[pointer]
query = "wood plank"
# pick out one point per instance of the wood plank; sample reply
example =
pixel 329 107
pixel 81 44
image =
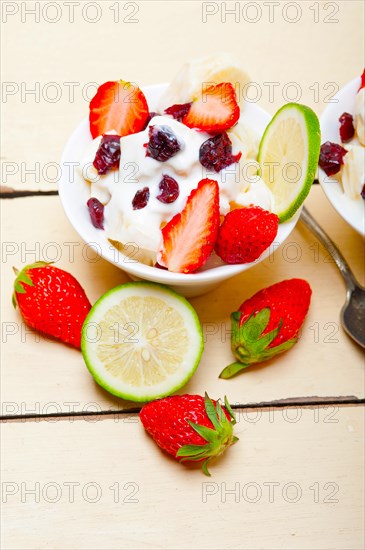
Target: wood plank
pixel 44 377
pixel 47 91
pixel 316 498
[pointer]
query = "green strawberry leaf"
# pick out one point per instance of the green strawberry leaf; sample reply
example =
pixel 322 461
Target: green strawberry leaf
pixel 211 411
pixel 193 452
pixel 205 468
pixel 271 352
pixel 222 417
pixel 232 370
pixel 206 433
pixel 266 340
pixel 231 413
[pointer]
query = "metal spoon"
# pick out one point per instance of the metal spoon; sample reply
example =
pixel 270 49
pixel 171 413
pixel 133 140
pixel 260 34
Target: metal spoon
pixel 353 312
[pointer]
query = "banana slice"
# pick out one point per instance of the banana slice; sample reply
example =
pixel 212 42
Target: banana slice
pixel 257 194
pixel 188 82
pixel 353 171
pixel 244 139
pixel 360 116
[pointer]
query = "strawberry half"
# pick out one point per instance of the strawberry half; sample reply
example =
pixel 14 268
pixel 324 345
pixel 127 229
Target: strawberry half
pixel 190 236
pixel 51 301
pixel 362 85
pixel 215 111
pixel 119 106
pixel 268 323
pixel 189 427
pixel 245 234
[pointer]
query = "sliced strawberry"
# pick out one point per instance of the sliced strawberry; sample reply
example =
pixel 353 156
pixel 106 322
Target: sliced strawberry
pixel 362 80
pixel 190 236
pixel 215 111
pixel 119 106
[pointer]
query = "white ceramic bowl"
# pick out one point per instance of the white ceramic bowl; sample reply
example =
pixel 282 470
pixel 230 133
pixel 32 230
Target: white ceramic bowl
pixel 352 211
pixel 74 195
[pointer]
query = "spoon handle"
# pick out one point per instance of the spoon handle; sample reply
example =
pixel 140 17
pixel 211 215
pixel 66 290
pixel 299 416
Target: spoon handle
pixel 330 246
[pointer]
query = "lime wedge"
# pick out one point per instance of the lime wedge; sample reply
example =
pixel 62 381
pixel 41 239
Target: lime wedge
pixel 288 157
pixel 142 341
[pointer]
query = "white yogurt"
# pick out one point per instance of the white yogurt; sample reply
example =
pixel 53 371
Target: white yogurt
pixel 117 188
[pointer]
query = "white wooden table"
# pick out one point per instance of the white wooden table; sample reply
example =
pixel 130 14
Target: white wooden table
pixel 78 471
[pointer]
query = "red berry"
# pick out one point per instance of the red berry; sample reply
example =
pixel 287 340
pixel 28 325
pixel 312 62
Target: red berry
pixel 288 302
pixel 108 154
pixel 151 115
pixel 96 211
pixel 158 266
pixel 347 130
pixel 178 111
pixel 169 190
pixel 190 427
pixel 245 234
pixel 140 199
pixel 216 153
pixel 163 143
pixel 331 157
pixel 268 323
pixel 51 301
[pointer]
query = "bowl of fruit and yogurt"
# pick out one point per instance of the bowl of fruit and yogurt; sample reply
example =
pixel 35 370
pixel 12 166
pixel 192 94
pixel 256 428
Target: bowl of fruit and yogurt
pixel 156 180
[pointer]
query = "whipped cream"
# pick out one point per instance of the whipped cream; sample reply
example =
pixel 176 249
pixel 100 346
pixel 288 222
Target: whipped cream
pixel 141 228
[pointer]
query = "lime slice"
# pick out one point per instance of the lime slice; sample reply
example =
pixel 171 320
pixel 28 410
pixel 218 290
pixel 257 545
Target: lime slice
pixel 288 157
pixel 142 341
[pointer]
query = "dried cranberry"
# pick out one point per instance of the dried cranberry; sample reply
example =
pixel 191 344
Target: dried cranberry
pixel 331 157
pixel 96 211
pixel 163 143
pixel 363 192
pixel 151 115
pixel 178 111
pixel 169 190
pixel 347 130
pixel 159 266
pixel 216 153
pixel 140 199
pixel 108 153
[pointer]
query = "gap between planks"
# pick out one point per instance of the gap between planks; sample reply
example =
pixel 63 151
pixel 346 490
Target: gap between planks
pixel 304 402
pixel 9 193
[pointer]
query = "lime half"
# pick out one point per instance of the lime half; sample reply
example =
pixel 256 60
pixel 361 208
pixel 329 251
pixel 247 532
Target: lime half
pixel 288 157
pixel 142 341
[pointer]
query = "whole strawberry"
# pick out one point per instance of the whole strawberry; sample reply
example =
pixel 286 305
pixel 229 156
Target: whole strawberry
pixel 190 427
pixel 268 323
pixel 245 234
pixel 51 301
